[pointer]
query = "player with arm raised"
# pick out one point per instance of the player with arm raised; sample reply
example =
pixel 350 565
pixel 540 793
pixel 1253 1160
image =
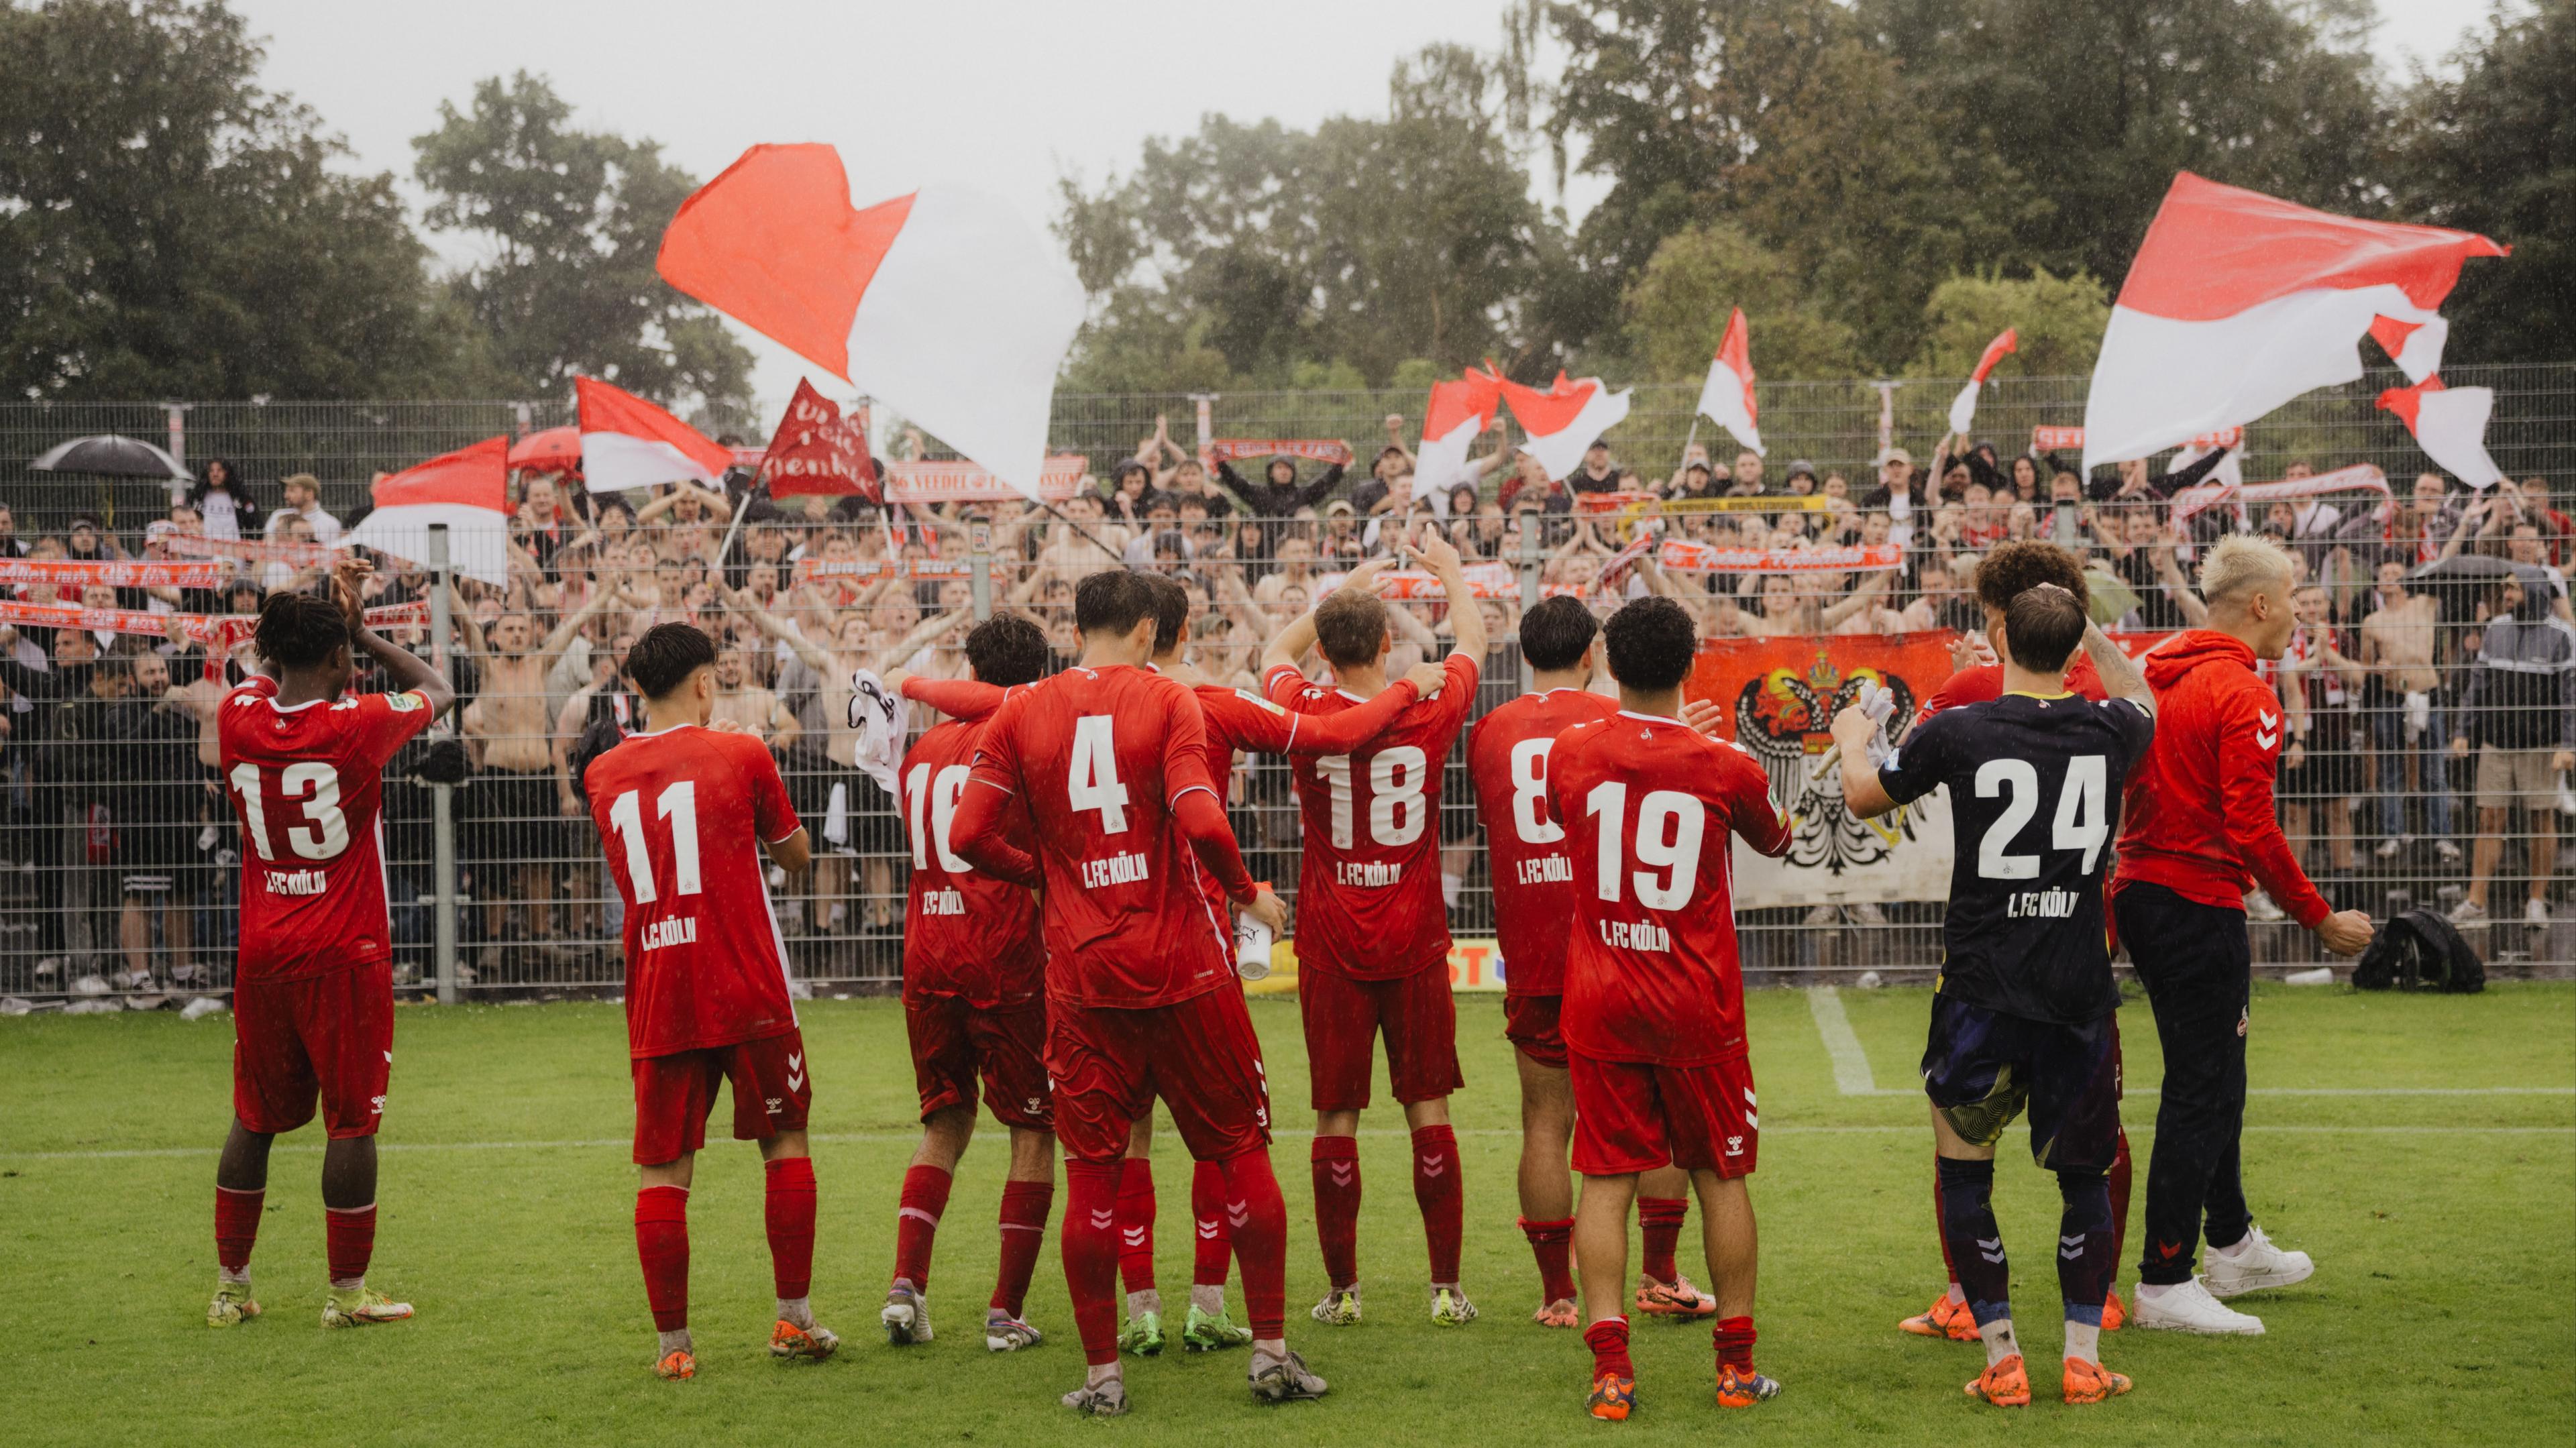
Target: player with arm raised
pixel 1654 992
pixel 974 1000
pixel 1372 930
pixel 1108 760
pixel 1507 755
pixel 313 992
pixel 2021 1014
pixel 684 813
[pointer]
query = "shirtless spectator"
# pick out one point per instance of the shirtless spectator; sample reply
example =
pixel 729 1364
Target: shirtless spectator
pixel 2400 647
pixel 518 841
pixel 742 703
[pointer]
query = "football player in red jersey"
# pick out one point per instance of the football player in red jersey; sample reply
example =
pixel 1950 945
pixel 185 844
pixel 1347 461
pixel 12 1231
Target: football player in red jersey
pixel 1108 759
pixel 313 993
pixel 1654 993
pixel 683 813
pixel 2005 574
pixel 974 1002
pixel 1533 898
pixel 1372 930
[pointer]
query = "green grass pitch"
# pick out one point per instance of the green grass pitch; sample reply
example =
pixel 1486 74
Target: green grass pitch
pixel 2444 1226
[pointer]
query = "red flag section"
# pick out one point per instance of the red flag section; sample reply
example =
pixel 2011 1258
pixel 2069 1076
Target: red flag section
pixel 470 477
pixel 816 450
pixel 627 442
pixel 2215 250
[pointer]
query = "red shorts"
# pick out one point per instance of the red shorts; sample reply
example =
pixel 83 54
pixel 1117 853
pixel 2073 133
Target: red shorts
pixel 1200 1055
pixel 772 1089
pixel 331 1035
pixel 1633 1116
pixel 1531 1023
pixel 1344 1017
pixel 954 1043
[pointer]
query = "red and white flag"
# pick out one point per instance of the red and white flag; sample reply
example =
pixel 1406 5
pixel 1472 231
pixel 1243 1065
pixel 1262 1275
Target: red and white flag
pixel 627 442
pixel 2238 302
pixel 1457 411
pixel 944 303
pixel 1963 408
pixel 466 490
pixel 1565 420
pixel 816 450
pixel 1726 398
pixel 2450 424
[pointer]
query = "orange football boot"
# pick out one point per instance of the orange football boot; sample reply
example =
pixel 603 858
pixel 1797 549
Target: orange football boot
pixel 2115 1313
pixel 1944 1318
pixel 2090 1382
pixel 2004 1384
pixel 1613 1398
pixel 676 1364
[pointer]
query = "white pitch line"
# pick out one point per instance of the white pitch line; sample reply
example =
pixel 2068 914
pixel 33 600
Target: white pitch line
pixel 1851 1063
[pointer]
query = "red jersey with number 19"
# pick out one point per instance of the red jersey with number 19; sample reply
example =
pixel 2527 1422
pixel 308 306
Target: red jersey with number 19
pixel 1533 877
pixel 682 814
pixel 307 780
pixel 1648 803
pixel 1097 756
pixel 1368 880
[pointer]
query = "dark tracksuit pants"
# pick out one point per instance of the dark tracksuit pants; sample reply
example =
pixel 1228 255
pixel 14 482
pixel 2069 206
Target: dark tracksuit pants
pixel 2197 966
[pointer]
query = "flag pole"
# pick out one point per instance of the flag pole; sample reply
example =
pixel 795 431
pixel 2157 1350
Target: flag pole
pixel 1691 441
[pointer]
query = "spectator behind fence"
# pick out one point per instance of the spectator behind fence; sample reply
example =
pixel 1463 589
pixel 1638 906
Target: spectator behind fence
pixel 2518 713
pixel 2402 646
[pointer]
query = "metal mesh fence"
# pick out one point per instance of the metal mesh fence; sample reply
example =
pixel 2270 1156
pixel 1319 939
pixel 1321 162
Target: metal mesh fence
pixel 119 859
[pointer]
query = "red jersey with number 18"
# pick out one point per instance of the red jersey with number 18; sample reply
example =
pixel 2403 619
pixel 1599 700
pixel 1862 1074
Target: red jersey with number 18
pixel 682 814
pixel 307 780
pixel 1368 878
pixel 1097 756
pixel 1533 877
pixel 1648 803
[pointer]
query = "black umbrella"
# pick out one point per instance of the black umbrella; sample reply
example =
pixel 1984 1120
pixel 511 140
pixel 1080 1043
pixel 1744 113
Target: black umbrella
pixel 111 455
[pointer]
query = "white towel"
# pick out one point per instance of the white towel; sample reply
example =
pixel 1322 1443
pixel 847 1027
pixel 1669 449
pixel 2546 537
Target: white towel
pixel 884 721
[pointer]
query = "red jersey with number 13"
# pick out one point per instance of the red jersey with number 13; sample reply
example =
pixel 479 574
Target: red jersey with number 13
pixel 1507 755
pixel 682 814
pixel 307 781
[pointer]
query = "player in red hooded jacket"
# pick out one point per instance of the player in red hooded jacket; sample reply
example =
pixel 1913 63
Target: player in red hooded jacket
pixel 2199 833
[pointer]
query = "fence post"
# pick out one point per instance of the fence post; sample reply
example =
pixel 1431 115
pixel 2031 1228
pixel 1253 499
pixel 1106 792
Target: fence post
pixel 178 445
pixel 527 420
pixel 979 562
pixel 1206 409
pixel 1886 418
pixel 1529 586
pixel 442 797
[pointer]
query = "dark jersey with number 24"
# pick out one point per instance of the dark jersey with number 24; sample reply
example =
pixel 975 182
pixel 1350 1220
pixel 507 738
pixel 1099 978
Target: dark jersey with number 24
pixel 2034 808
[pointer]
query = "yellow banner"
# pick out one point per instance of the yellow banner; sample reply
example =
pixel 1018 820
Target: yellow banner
pixel 1475 964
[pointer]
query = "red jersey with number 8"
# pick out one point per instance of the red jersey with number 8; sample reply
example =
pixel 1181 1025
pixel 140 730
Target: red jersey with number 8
pixel 682 814
pixel 1368 878
pixel 1648 804
pixel 1507 755
pixel 307 780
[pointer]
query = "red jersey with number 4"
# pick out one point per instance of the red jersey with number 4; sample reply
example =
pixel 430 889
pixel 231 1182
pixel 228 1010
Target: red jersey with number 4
pixel 1648 803
pixel 965 933
pixel 682 814
pixel 1368 881
pixel 1097 756
pixel 1533 877
pixel 306 780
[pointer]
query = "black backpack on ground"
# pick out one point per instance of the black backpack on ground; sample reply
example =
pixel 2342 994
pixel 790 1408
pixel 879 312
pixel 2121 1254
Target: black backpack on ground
pixel 2419 950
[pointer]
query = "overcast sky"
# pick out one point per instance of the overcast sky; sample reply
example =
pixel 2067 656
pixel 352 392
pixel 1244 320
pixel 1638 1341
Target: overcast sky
pixel 1008 97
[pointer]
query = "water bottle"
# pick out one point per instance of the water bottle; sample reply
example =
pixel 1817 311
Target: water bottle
pixel 1251 948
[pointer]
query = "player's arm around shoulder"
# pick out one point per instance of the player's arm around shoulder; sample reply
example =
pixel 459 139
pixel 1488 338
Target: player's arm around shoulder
pixel 1866 790
pixel 1745 800
pixel 2122 680
pixel 773 815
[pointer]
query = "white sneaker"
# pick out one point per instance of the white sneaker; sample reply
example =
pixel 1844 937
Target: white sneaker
pixel 2260 909
pixel 1824 916
pixel 2188 1307
pixel 2252 1265
pixel 2469 912
pixel 1868 913
pixel 2389 847
pixel 2536 913
pixel 2449 853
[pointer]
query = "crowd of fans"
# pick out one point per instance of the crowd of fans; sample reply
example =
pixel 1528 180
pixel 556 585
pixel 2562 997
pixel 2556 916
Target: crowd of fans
pixel 2421 713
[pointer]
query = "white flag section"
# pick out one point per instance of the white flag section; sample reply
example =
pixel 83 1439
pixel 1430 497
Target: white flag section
pixel 2238 302
pixel 946 304
pixel 1909 858
pixel 1564 421
pixel 1726 398
pixel 1458 411
pixel 1963 408
pixel 466 492
pixel 2450 424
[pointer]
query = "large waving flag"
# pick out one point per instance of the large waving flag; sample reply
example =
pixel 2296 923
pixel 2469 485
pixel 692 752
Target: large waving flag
pixel 627 442
pixel 2238 302
pixel 1457 412
pixel 2450 424
pixel 1963 408
pixel 944 303
pixel 1564 420
pixel 1726 398
pixel 467 490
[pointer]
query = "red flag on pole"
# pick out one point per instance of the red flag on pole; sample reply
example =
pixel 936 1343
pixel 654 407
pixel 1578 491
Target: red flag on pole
pixel 816 450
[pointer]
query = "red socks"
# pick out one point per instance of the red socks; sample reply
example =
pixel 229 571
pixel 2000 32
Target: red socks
pixel 1608 1340
pixel 349 1239
pixel 1337 1206
pixel 789 1211
pixel 1091 1255
pixel 1256 1217
pixel 916 1223
pixel 1734 1337
pixel 1024 1217
pixel 1552 1243
pixel 1661 1219
pixel 662 1245
pixel 1136 1223
pixel 2119 1199
pixel 1437 1192
pixel 1215 1235
pixel 236 1227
